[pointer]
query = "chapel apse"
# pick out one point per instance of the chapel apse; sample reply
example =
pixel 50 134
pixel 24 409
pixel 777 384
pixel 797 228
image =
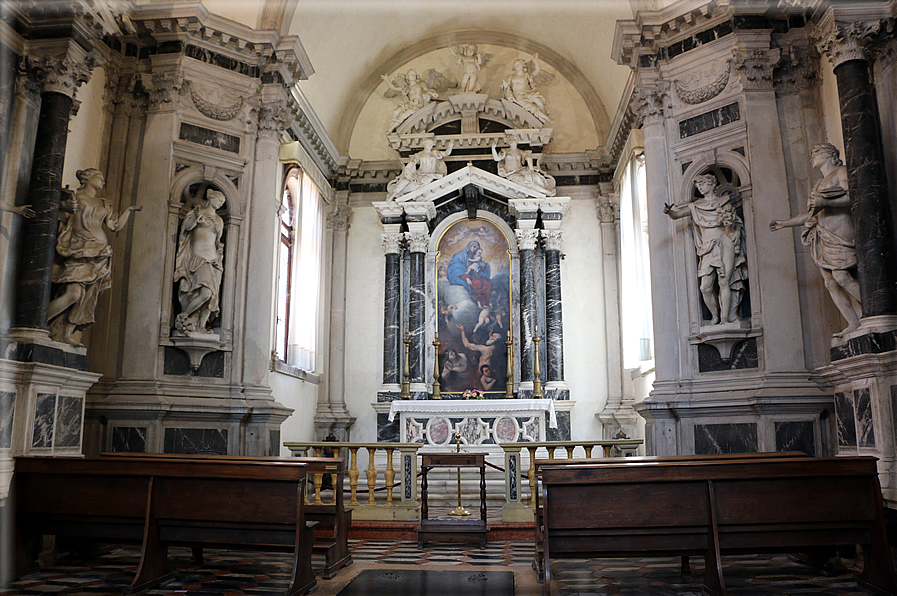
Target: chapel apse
pixel 473 271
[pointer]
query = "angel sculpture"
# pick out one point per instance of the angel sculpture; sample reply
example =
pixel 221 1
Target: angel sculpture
pixel 521 86
pixel 470 61
pixel 418 92
pixel 521 167
pixel 423 167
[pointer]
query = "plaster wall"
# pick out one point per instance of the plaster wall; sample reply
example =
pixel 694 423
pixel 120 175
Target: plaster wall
pixel 85 142
pixel 831 109
pixel 302 397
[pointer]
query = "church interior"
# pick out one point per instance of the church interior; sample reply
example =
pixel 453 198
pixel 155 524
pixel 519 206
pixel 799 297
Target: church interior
pixel 619 272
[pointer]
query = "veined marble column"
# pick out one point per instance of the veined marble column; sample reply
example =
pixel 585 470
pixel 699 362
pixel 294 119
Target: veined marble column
pixel 60 78
pixel 846 47
pixel 554 332
pixel 392 308
pixel 526 245
pixel 418 242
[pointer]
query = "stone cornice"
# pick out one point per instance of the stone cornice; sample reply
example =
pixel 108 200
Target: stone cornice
pixel 471 175
pixel 310 132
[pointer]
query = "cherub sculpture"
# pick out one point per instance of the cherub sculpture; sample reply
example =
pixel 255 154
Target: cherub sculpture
pixel 418 92
pixel 522 167
pixel 423 167
pixel 521 86
pixel 470 61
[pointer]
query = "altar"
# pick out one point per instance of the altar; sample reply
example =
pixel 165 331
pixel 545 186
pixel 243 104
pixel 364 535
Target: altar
pixel 480 422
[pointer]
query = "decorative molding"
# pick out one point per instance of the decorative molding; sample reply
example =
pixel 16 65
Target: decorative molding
pixel 60 74
pixel 471 175
pixel 26 83
pixel 392 243
pixel 528 136
pixel 274 118
pixel 757 66
pixel 211 110
pixel 338 218
pixel 650 104
pixel 417 241
pixel 608 210
pixel 163 89
pixel 714 79
pixel 526 239
pixel 553 239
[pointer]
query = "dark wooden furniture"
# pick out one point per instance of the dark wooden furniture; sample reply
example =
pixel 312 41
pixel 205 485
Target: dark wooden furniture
pixel 452 530
pixel 334 519
pixel 537 464
pixel 158 503
pixel 711 508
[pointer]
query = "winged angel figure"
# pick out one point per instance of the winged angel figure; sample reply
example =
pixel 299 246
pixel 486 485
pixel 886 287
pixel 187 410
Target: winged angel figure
pixel 470 61
pixel 418 92
pixel 521 86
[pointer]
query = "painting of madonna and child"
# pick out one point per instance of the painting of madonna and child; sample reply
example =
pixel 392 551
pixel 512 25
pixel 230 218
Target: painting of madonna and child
pixel 474 307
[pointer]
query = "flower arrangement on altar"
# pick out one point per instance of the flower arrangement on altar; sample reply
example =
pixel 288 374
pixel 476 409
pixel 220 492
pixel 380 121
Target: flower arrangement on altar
pixel 473 394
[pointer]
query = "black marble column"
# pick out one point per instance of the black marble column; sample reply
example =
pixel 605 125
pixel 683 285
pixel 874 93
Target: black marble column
pixel 416 316
pixel 527 311
pixel 392 331
pixel 876 264
pixel 554 332
pixel 39 232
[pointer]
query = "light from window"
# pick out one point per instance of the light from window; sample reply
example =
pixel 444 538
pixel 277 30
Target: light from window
pixel 637 326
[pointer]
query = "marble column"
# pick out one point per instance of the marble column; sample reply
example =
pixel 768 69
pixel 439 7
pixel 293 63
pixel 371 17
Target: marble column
pixel 554 332
pixel 846 46
pixel 418 242
pixel 392 309
pixel 526 245
pixel 60 79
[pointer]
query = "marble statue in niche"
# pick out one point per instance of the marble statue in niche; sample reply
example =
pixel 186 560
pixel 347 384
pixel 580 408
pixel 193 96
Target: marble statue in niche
pixel 423 167
pixel 199 263
pixel 473 293
pixel 519 166
pixel 828 231
pixel 418 92
pixel 470 61
pixel 83 265
pixel 719 241
pixel 522 84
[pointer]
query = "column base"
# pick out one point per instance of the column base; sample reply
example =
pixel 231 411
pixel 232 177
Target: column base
pixel 875 335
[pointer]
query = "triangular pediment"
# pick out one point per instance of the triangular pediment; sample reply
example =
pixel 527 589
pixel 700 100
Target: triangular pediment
pixel 470 174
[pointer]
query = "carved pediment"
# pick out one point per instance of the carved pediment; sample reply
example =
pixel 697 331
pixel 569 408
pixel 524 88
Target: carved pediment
pixel 469 174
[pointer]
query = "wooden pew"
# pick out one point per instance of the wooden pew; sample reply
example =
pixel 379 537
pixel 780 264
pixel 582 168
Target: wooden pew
pixel 537 464
pixel 711 508
pixel 334 518
pixel 158 503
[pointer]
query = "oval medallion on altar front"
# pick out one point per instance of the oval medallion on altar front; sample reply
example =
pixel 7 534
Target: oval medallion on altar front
pixel 438 431
pixel 505 430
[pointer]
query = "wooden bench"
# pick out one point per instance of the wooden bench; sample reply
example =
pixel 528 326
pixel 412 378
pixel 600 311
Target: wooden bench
pixel 711 508
pixel 158 503
pixel 334 519
pixel 539 463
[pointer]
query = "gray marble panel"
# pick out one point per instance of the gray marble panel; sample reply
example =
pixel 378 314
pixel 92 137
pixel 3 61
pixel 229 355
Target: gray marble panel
pixel 69 421
pixel 274 442
pixel 44 417
pixel 209 138
pixel 796 436
pixel 725 438
pixel 387 432
pixel 512 476
pixel 844 414
pixel 7 414
pixel 709 120
pixel 864 418
pixel 528 320
pixel 196 440
pixel 562 432
pixel 554 336
pixel 744 355
pixel 129 439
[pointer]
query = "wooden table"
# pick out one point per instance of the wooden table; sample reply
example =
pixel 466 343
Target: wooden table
pixel 452 530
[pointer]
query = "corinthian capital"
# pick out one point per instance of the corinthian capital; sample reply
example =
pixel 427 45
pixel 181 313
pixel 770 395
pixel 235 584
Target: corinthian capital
pixel 756 66
pixel 59 74
pixel 843 42
pixel 649 104
pixel 526 239
pixel 338 218
pixel 274 118
pixel 163 89
pixel 392 243
pixel 417 241
pixel 552 239
pixel 608 210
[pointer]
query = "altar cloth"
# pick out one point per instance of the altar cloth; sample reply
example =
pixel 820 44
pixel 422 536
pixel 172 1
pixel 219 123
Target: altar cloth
pixel 472 406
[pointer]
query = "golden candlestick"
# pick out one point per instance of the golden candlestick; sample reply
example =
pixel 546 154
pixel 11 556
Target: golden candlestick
pixel 537 370
pixel 406 373
pixel 459 511
pixel 509 385
pixel 437 388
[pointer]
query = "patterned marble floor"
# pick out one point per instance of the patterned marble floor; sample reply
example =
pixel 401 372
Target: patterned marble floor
pixel 235 573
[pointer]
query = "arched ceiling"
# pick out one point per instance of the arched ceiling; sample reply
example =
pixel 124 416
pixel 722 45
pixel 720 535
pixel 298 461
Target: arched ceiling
pixel 350 42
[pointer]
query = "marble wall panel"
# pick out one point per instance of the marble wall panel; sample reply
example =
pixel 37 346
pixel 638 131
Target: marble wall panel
pixel 7 413
pixel 212 365
pixel 44 418
pixel 796 435
pixel 387 432
pixel 176 362
pixel 725 438
pixel 209 138
pixel 69 413
pixel 744 355
pixel 129 439
pixel 864 419
pixel 562 432
pixel 709 120
pixel 196 440
pixel 274 442
pixel 847 432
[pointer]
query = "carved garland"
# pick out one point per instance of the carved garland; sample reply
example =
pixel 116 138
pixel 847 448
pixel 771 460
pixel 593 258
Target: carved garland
pixel 692 95
pixel 213 111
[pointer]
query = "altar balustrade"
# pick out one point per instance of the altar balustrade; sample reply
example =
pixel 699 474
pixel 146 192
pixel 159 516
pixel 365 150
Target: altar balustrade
pixel 380 503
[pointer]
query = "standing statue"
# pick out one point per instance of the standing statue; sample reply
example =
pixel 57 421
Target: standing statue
pixel 25 210
pixel 199 262
pixel 418 92
pixel 83 267
pixel 470 61
pixel 521 86
pixel 519 166
pixel 422 168
pixel 828 231
pixel 719 242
